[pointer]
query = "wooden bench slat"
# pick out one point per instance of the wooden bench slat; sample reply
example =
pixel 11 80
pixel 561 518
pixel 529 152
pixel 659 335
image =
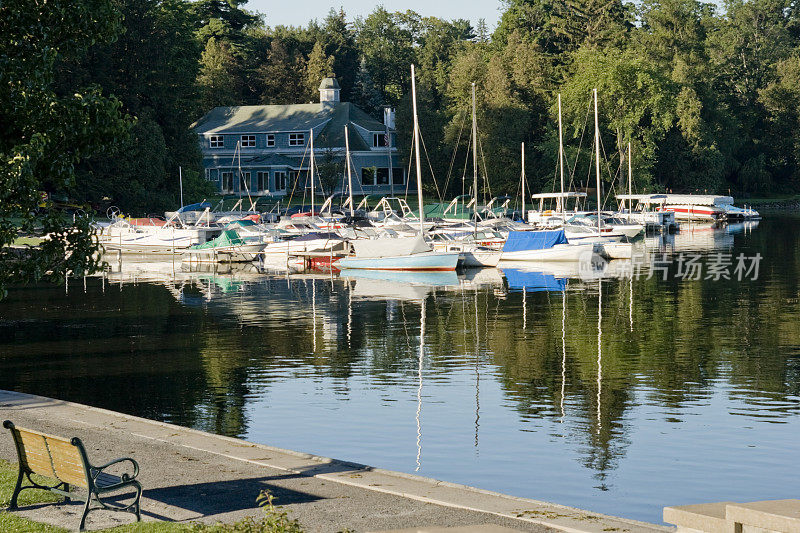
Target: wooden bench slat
pixel 35 453
pixel 67 462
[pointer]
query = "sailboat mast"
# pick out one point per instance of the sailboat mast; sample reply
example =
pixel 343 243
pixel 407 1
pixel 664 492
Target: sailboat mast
pixel 416 153
pixel 475 159
pixel 561 155
pixel 523 182
pixel 311 134
pixel 597 157
pixel 630 176
pixel 349 170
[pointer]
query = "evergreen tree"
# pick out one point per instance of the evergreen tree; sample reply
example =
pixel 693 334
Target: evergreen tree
pixel 317 67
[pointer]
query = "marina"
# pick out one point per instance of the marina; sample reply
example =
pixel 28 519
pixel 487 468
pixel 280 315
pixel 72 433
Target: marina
pixel 555 381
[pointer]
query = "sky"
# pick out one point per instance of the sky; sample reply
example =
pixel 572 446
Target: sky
pixel 299 13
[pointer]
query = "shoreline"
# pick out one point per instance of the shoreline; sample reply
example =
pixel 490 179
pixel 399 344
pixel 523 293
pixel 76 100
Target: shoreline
pixel 459 502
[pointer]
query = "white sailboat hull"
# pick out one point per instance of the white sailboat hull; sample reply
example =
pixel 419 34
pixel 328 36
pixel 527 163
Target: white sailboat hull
pixel 559 252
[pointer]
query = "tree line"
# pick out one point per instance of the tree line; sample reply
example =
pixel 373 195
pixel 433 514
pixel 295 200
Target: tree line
pixel 97 96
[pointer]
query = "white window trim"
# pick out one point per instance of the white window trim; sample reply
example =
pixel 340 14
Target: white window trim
pixel 298 140
pixel 248 139
pixel 213 139
pixel 270 140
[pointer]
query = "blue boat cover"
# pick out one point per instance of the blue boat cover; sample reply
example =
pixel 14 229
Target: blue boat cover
pixel 314 235
pixel 195 207
pixel 521 280
pixel 534 240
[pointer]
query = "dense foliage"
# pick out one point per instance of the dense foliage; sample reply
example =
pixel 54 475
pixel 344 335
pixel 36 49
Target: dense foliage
pixel 97 96
pixel 707 95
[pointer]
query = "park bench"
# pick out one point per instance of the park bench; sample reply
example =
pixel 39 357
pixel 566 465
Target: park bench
pixel 65 460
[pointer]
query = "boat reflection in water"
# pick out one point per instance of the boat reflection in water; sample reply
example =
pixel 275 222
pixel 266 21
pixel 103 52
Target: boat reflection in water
pixel 383 285
pixel 532 281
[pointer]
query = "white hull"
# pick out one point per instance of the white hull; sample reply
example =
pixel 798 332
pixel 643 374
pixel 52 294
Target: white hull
pixel 559 252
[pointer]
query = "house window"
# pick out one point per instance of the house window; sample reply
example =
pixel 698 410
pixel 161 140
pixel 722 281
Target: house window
pixel 383 176
pixel 248 141
pixel 367 176
pixel 397 176
pixel 297 139
pixel 379 140
pixel 263 181
pixel 215 141
pixel 270 140
pixel 280 181
pixel 227 182
pixel 244 181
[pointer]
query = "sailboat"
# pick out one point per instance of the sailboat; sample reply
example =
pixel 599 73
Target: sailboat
pixel 605 236
pixel 402 253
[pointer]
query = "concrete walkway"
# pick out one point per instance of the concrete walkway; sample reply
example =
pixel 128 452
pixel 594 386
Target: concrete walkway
pixel 192 475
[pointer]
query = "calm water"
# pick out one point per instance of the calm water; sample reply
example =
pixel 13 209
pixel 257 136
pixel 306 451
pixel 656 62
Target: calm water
pixel 563 392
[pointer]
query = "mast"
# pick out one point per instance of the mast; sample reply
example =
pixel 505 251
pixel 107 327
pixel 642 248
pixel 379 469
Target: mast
pixel 416 153
pixel 630 177
pixel 386 115
pixel 475 159
pixel 311 167
pixel 561 155
pixel 597 156
pixel 349 171
pixel 523 182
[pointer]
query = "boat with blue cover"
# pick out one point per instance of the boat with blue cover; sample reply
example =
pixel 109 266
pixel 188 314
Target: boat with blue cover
pixel 545 245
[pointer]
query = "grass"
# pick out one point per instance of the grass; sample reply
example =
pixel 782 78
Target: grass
pixel 273 520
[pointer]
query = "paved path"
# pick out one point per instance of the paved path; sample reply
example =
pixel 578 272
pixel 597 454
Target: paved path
pixel 192 475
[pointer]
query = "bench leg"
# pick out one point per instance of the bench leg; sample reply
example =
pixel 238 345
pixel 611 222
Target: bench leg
pixel 137 502
pixel 66 489
pixel 17 489
pixel 85 512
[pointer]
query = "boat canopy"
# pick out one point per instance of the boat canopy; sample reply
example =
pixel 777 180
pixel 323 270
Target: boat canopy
pixel 244 223
pixel 534 240
pixel 316 235
pixel 644 198
pixel 545 195
pixel 389 247
pixel 227 238
pixel 698 199
pixel 202 206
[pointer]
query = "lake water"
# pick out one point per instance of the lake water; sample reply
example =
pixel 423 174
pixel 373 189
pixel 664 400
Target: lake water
pixel 620 396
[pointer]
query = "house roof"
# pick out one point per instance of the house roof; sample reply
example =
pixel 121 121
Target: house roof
pixel 294 117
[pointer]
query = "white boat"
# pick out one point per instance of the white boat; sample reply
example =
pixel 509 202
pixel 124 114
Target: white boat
pixel 646 211
pixel 697 207
pixel 544 245
pixel 400 254
pixel 139 235
pixel 631 230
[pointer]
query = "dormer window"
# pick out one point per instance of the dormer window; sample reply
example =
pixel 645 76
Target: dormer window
pixel 379 140
pixel 215 141
pixel 270 140
pixel 297 139
pixel 248 141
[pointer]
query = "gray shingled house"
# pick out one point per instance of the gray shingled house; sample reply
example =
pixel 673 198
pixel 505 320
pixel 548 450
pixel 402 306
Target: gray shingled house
pixel 266 148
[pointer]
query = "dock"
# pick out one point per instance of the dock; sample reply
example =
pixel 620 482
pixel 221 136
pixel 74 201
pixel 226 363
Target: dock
pixel 190 475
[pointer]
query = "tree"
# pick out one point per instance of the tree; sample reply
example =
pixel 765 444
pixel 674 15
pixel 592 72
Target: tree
pixel 36 120
pixel 317 67
pixel 217 80
pixel 387 46
pixel 281 74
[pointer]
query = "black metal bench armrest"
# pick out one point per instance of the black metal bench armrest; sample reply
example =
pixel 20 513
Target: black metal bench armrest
pixel 96 470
